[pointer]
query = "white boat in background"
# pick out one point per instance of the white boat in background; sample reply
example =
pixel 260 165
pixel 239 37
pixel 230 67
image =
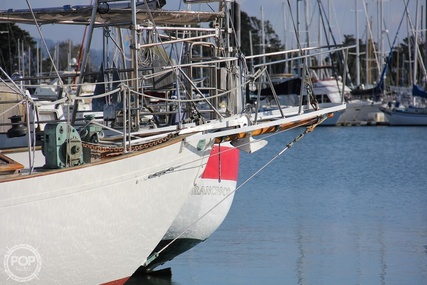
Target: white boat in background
pixel 412 115
pixel 363 106
pixel 364 112
pixel 412 112
pixel 408 116
pixel 94 207
pixel 325 91
pixel 331 90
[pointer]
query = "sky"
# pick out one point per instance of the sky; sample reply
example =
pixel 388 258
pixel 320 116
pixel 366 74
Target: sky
pixel 341 14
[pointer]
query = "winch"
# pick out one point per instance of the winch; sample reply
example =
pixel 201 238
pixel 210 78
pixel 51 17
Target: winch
pixel 62 146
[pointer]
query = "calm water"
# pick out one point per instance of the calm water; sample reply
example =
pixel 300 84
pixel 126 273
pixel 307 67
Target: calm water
pixel 345 205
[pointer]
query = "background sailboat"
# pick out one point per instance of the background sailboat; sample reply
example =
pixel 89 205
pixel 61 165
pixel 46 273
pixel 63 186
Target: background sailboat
pixel 415 113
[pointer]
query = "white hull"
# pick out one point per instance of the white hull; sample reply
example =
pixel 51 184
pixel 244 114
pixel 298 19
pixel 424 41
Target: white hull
pixel 211 196
pixel 331 89
pixel 406 117
pixel 96 224
pixel 203 198
pixel 206 207
pixel 326 91
pixel 360 111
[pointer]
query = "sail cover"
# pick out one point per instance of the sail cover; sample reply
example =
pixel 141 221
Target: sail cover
pixel 289 86
pixel 417 91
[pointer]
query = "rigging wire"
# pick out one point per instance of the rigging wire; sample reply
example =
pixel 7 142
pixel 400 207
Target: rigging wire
pixel 381 81
pixel 288 146
pixel 170 62
pixel 370 34
pixel 340 54
pixel 413 29
pixel 45 44
pixel 306 75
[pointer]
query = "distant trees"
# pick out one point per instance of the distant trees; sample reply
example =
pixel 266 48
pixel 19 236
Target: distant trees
pixel 402 70
pixel 401 66
pixel 16 48
pixel 19 54
pixel 253 26
pixel 62 54
pixel 367 53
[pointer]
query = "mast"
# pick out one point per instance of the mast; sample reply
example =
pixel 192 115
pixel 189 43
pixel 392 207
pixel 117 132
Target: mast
pixel 379 37
pixel 425 35
pixel 262 35
pixel 410 55
pixel 38 60
pixel 84 60
pixel 357 46
pixel 29 61
pixel 368 52
pixel 414 78
pixel 381 32
pixel 252 52
pixel 307 20
pixel 398 67
pixel 298 37
pixel 329 17
pixel 324 73
pixel 19 56
pixel 284 35
pixel 263 77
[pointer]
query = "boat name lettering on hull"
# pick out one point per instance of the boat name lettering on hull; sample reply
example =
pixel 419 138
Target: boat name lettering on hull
pixel 210 190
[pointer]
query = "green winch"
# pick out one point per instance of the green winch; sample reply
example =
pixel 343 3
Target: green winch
pixel 62 146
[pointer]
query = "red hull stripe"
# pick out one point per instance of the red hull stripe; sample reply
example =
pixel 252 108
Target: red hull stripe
pixel 225 158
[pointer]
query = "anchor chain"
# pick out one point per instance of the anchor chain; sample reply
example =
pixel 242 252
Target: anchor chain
pixel 100 151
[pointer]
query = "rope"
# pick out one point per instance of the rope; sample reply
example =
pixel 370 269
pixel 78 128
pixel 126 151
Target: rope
pixel 288 146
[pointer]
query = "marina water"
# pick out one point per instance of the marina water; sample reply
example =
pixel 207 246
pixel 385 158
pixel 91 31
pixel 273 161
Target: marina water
pixel 345 205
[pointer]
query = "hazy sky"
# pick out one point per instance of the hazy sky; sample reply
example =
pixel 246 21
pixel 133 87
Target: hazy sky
pixel 342 17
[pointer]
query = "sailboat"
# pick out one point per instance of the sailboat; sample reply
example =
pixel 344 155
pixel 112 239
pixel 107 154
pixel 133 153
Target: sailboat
pixel 407 116
pixel 92 203
pixel 415 113
pixel 326 90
